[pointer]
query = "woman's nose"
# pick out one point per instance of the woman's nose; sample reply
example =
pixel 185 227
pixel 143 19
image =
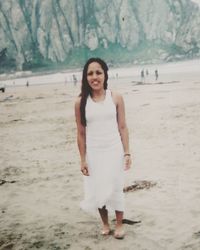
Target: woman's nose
pixel 94 76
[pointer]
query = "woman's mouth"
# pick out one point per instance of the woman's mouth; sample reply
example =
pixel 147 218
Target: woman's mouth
pixel 95 82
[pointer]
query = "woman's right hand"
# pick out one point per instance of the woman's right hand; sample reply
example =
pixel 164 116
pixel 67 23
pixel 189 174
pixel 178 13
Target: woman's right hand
pixel 84 168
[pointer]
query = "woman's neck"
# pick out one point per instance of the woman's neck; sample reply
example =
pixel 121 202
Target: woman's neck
pixel 98 95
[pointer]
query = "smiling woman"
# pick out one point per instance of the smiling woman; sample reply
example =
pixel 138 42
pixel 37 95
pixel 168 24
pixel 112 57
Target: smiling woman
pixel 103 143
pixel 96 78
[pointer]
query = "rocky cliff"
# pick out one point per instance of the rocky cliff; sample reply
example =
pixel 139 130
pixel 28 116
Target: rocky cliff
pixel 42 33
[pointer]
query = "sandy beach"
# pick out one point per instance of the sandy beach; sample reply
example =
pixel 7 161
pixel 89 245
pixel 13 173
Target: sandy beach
pixel 41 184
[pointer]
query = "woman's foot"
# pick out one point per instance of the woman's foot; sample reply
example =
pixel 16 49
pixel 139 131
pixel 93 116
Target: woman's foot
pixel 119 232
pixel 106 230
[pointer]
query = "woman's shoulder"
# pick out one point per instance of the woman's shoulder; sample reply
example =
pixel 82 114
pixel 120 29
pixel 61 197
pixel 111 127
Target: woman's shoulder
pixel 78 101
pixel 116 95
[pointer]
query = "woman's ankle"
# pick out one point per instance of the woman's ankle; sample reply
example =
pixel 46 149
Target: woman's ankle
pixel 118 225
pixel 106 225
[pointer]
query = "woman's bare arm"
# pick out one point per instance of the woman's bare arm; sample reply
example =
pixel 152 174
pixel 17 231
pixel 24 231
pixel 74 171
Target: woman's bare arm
pixel 123 130
pixel 81 138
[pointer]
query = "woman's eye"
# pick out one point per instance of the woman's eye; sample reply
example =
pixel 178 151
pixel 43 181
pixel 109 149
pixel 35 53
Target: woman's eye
pixel 92 73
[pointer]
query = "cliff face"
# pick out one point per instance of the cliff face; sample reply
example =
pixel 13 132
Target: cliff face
pixel 36 33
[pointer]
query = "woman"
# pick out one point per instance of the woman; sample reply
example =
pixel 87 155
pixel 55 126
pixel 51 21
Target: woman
pixel 103 143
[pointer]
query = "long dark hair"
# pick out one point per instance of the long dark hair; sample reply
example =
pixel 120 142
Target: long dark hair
pixel 86 89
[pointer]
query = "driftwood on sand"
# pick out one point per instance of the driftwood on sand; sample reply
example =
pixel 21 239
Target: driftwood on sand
pixel 137 185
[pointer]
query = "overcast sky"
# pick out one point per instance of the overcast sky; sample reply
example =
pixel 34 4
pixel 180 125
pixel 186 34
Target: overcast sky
pixel 196 1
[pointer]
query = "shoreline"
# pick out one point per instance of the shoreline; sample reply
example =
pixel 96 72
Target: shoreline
pixel 114 72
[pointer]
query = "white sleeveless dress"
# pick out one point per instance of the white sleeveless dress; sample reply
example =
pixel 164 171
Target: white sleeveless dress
pixel 104 152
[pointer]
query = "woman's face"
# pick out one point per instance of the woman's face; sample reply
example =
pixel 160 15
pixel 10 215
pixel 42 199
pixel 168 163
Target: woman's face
pixel 95 76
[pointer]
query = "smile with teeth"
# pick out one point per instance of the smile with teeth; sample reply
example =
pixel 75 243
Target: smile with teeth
pixel 95 83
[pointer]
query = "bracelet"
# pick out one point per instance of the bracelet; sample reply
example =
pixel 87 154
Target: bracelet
pixel 127 155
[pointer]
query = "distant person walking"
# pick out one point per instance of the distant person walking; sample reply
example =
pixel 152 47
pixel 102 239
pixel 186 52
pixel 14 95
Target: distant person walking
pixel 142 76
pixel 156 74
pixel 74 79
pixel 147 72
